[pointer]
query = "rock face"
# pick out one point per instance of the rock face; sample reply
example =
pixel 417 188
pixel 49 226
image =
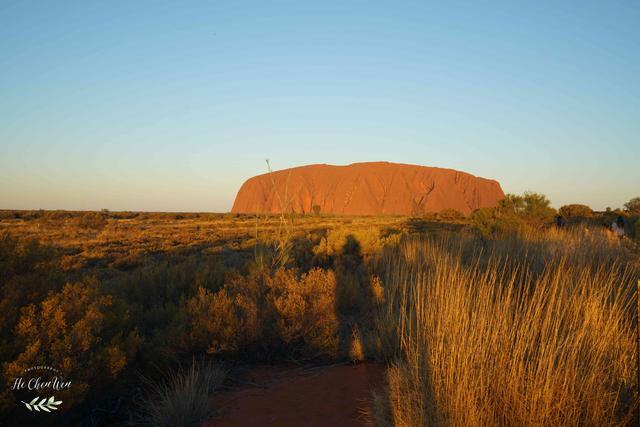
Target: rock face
pixel 366 189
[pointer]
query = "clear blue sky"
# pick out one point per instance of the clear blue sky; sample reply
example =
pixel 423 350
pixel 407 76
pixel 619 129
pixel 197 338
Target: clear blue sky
pixel 140 105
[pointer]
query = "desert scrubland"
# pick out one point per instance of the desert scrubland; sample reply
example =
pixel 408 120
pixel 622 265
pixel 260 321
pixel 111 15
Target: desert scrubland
pixel 494 318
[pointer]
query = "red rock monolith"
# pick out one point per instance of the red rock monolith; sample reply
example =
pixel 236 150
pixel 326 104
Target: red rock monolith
pixel 373 188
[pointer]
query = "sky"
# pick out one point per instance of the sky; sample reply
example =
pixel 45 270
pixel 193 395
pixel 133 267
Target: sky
pixel 170 106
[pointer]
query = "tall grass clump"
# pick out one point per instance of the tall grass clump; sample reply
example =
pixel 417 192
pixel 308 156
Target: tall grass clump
pixel 523 331
pixel 182 398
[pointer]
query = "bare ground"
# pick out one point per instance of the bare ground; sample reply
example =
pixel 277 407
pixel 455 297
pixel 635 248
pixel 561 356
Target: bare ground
pixel 338 395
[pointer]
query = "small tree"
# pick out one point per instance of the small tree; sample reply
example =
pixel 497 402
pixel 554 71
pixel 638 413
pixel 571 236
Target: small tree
pixel 633 205
pixel 514 213
pixel 511 204
pixel 537 208
pixel 484 220
pixel 316 209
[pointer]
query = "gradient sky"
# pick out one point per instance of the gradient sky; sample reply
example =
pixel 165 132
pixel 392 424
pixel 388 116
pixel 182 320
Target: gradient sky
pixel 140 105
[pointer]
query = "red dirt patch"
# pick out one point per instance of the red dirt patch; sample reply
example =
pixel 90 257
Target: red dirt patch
pixel 321 396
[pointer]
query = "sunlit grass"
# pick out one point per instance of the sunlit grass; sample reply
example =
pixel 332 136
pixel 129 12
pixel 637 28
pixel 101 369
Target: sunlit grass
pixel 542 335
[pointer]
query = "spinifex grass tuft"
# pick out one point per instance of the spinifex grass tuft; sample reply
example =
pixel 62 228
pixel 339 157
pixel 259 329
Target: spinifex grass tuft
pixel 182 398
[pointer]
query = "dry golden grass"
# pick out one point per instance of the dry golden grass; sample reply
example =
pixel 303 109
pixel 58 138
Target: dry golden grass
pixel 527 331
pixel 123 240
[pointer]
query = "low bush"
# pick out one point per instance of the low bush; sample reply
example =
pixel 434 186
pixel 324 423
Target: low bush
pixel 450 214
pixel 28 272
pixel 263 313
pixel 514 214
pixel 79 331
pixel 220 322
pixel 304 308
pixel 93 220
pixel 301 253
pixel 154 296
pixel 575 211
pixel 635 227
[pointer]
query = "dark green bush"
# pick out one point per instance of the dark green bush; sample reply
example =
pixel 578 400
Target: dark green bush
pixel 633 206
pixel 28 272
pixel 304 310
pixel 93 220
pixel 78 331
pixel 575 211
pixel 450 214
pixel 154 296
pixel 513 214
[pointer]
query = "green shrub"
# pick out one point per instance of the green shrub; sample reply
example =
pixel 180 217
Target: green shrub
pixel 633 206
pixel 491 222
pixel 57 215
pixel 537 209
pixel 429 216
pixel 575 211
pixel 164 284
pixel 78 331
pixel 450 214
pixel 220 322
pixel 301 254
pixel 514 214
pixel 511 204
pixel 28 272
pixel 93 220
pixel 7 214
pixel 304 308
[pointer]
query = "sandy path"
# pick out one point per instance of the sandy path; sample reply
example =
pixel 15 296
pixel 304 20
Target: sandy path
pixel 323 396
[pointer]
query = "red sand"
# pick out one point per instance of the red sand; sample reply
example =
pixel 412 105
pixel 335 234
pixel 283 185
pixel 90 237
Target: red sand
pixel 324 396
pixel 366 189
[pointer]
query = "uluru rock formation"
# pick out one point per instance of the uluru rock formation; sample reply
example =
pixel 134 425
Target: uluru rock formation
pixel 366 189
